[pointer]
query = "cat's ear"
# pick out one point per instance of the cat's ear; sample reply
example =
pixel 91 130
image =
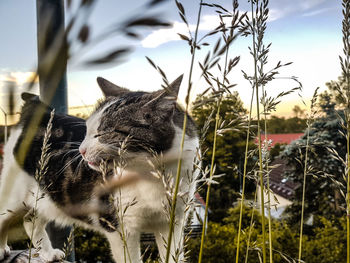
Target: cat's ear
pixel 168 98
pixel 28 96
pixel 164 101
pixel 110 89
pixel 174 87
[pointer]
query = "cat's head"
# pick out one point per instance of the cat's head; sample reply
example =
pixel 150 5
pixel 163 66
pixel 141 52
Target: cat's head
pixel 139 123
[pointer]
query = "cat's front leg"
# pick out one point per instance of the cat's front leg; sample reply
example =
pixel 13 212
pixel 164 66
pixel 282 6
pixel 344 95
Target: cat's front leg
pixel 127 250
pixel 4 221
pixel 41 240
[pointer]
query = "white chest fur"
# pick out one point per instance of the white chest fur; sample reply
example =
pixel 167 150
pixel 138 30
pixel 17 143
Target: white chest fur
pixel 151 193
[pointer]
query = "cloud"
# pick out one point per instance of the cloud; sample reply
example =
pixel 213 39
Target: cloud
pixel 308 4
pixel 317 12
pixel 161 36
pixel 283 8
pixel 275 14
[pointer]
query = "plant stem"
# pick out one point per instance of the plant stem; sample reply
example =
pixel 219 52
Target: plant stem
pixel 121 217
pixel 346 72
pixel 256 85
pixel 244 176
pixel 217 117
pixel 303 198
pixel 348 192
pixel 267 177
pixel 179 164
pixel 250 229
pixel 33 223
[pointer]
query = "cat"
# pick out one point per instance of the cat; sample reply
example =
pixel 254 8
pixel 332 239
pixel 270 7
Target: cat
pixel 149 123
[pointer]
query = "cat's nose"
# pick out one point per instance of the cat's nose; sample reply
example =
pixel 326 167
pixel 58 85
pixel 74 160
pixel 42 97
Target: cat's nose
pixel 82 151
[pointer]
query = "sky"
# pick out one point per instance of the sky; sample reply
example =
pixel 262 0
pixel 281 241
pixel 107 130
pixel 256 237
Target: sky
pixel 305 32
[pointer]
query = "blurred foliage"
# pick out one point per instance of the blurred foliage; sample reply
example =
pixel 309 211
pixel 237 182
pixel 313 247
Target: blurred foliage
pixel 277 124
pixel 326 243
pixel 90 247
pixel 220 245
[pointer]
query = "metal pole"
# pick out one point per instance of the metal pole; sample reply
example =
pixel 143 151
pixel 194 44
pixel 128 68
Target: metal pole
pixel 52 64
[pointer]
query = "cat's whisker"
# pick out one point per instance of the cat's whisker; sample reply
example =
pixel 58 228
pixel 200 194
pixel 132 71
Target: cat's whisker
pixel 77 156
pixel 71 143
pixel 59 153
pixel 78 166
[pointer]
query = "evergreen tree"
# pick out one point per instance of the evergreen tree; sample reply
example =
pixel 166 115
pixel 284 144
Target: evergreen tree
pixel 324 181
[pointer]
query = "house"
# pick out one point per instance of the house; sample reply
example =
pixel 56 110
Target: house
pixel 282 190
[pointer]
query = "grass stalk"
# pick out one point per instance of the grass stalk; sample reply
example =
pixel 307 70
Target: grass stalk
pixel 33 223
pixel 261 175
pixel 217 117
pixel 348 193
pixel 303 197
pixel 39 173
pixel 307 147
pixel 179 164
pixel 244 176
pixel 267 176
pixel 122 228
pixel 346 72
pixel 211 173
pixel 250 230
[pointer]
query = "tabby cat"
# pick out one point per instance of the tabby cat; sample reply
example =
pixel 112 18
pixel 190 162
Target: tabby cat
pixel 150 124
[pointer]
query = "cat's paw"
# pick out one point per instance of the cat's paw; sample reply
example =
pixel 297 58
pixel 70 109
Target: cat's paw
pixel 52 255
pixel 4 252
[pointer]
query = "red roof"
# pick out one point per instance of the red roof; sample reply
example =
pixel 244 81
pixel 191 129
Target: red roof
pixel 282 138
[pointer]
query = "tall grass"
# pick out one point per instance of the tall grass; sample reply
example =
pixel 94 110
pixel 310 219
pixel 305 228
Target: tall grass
pixel 179 164
pixel 244 180
pixel 222 87
pixel 39 174
pixel 309 122
pixel 257 26
pixel 345 65
pixel 256 44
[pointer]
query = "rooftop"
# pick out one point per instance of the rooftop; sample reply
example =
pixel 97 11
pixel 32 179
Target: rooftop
pixel 281 138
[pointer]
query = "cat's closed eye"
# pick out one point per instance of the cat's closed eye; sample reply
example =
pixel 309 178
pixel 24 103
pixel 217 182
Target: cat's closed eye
pixel 121 132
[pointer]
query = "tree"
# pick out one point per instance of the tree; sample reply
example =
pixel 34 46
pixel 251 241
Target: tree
pixel 277 124
pixel 229 152
pixel 324 179
pixel 298 112
pixel 328 242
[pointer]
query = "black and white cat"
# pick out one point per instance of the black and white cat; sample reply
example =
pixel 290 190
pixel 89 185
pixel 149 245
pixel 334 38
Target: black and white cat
pixel 149 123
